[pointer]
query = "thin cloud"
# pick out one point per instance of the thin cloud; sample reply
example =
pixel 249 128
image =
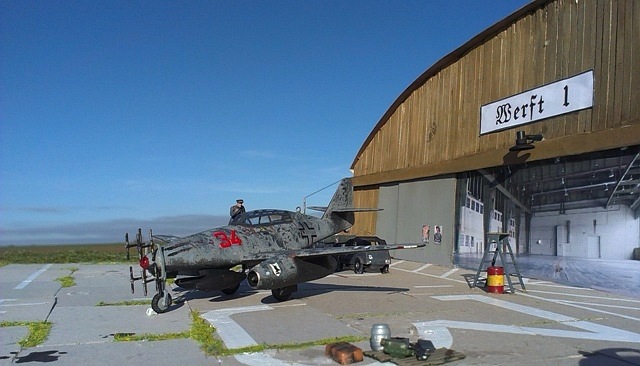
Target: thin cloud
pixel 110 231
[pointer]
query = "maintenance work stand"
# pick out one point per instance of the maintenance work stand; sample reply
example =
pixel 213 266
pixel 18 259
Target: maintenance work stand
pixel 502 247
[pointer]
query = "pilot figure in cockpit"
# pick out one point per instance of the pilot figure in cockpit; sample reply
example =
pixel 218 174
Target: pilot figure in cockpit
pixel 237 209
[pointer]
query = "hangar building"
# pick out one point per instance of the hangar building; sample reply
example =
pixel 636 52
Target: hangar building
pixel 531 128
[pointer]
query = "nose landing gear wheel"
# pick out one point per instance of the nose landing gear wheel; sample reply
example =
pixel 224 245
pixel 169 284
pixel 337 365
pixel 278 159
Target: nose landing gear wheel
pixel 159 304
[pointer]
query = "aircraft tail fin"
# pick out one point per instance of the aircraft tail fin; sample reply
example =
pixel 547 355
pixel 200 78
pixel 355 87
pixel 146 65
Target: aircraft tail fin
pixel 340 207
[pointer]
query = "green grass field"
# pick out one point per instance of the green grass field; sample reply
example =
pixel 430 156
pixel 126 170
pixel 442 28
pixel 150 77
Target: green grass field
pixel 81 253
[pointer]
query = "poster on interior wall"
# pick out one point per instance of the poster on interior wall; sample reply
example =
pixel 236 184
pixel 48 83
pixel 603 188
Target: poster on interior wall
pixel 426 232
pixel 437 236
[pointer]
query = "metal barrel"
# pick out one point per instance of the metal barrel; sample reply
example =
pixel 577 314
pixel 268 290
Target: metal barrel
pixel 495 280
pixel 378 333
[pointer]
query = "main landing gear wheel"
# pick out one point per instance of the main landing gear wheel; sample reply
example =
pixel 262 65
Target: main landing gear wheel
pixel 231 290
pixel 358 268
pixel 283 294
pixel 159 304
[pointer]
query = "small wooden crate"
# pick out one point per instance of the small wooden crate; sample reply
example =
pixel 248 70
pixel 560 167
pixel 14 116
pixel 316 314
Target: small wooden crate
pixel 344 353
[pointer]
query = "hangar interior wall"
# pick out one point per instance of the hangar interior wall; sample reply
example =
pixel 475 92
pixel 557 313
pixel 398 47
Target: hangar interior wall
pixel 407 207
pixel 586 233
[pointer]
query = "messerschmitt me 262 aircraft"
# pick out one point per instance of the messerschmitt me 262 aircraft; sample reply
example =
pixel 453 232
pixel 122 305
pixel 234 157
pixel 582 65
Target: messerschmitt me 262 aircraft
pixel 278 248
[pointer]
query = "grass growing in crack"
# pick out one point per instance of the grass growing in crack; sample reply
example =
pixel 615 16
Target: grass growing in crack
pixel 68 281
pixel 130 337
pixel 38 331
pixel 204 333
pixel 301 345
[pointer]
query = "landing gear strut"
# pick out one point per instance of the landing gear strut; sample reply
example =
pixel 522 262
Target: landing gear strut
pixel 162 299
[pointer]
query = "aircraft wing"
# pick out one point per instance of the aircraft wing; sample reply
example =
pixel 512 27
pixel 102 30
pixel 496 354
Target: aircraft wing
pixel 313 252
pixel 163 239
pixel 329 250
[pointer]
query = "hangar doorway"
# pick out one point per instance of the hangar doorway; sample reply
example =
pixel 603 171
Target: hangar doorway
pixel 583 206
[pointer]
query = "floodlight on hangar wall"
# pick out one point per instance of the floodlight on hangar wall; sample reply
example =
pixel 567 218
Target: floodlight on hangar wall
pixel 523 141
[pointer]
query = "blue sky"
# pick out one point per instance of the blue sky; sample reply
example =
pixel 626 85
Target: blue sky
pixel 116 115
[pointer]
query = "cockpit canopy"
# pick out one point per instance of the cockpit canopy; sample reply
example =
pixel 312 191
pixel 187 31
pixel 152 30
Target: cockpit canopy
pixel 263 217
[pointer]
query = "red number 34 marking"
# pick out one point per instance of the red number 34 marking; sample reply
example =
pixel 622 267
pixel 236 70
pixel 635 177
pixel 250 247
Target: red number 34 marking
pixel 225 240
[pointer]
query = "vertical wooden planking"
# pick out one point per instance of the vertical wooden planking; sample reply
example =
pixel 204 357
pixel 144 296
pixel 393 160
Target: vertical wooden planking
pixel 570 48
pixel 588 46
pixel 437 121
pixel 634 62
pixel 480 79
pixel 471 100
pixel 431 120
pixel 465 124
pixel 488 141
pixel 624 46
pixel 411 132
pixel 446 140
pixel 617 71
pixel 605 62
pixel 365 222
pixel 560 59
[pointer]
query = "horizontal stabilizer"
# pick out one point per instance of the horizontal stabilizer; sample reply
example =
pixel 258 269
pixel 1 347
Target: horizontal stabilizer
pixel 344 209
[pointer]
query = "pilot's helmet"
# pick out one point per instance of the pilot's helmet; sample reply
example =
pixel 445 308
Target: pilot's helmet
pixel 240 200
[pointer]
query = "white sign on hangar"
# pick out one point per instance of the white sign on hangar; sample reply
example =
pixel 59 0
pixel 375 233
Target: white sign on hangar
pixel 560 97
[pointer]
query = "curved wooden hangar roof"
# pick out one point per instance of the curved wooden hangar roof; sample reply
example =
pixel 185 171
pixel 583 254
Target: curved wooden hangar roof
pixel 433 128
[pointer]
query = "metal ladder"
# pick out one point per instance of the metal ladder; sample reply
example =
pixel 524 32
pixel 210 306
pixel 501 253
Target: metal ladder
pixel 502 246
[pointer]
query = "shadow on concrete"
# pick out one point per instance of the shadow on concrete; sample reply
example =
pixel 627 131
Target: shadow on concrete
pixel 611 357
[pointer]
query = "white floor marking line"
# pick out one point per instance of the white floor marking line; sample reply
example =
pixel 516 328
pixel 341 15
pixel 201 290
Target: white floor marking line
pixel 24 304
pixel 549 284
pixel 429 275
pixel 234 336
pixel 433 286
pixel 450 273
pixel 423 267
pixel 32 277
pixel 584 296
pixel 231 332
pixel 590 331
pixel 595 304
pixel 395 263
pixel 569 303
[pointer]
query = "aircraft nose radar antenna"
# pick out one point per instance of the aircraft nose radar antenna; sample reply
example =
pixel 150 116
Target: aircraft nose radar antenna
pixel 152 262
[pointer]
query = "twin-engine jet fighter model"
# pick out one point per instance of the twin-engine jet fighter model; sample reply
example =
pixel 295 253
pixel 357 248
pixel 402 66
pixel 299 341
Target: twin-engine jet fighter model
pixel 276 247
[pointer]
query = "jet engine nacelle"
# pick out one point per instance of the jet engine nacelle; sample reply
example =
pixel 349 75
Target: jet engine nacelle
pixel 283 271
